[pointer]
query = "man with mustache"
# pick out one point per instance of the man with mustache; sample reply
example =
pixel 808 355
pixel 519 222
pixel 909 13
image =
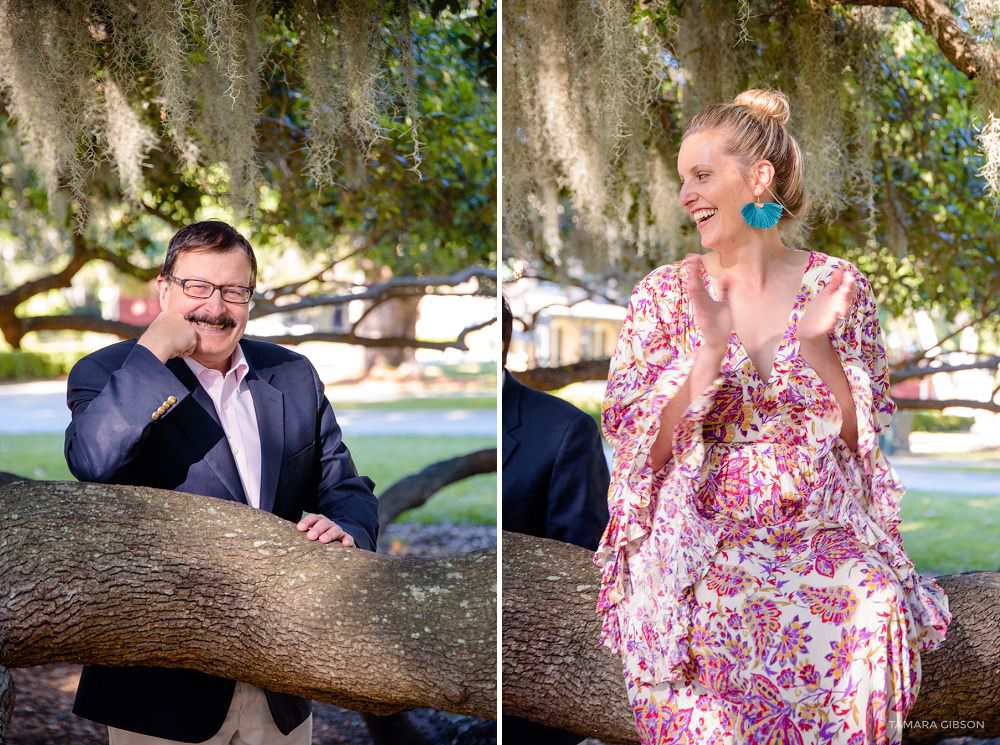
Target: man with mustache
pixel 193 406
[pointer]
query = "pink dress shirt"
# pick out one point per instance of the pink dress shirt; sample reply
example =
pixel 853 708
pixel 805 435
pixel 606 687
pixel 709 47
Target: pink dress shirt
pixel 234 405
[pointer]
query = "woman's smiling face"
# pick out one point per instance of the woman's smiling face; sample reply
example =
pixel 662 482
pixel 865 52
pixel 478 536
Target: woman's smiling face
pixel 711 180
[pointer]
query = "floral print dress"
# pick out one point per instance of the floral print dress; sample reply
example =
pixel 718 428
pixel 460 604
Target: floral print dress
pixel 756 586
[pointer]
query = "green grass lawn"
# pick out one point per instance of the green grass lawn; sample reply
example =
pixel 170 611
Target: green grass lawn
pixel 943 533
pixel 950 533
pixel 384 459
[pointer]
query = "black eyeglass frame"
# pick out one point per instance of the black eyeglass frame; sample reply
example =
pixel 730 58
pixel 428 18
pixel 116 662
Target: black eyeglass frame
pixel 183 283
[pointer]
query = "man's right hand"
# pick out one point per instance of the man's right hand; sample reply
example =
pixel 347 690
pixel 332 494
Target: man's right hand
pixel 170 335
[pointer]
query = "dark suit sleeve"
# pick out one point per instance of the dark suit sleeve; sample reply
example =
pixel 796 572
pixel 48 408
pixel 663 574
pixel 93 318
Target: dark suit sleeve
pixel 577 507
pixel 112 412
pixel 343 495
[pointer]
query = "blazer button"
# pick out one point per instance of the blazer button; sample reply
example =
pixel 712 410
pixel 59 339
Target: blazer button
pixel 171 400
pixel 157 414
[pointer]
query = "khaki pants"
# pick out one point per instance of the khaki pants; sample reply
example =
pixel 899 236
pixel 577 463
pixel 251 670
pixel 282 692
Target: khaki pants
pixel 248 722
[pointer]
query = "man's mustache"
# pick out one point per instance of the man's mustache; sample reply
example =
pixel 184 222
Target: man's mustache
pixel 226 321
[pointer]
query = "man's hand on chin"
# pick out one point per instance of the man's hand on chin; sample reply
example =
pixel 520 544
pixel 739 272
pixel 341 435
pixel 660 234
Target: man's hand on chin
pixel 324 530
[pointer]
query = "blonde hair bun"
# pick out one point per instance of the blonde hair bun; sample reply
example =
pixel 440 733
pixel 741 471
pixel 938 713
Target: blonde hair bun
pixel 770 104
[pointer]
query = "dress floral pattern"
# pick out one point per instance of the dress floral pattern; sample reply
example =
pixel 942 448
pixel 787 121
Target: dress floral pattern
pixel 756 586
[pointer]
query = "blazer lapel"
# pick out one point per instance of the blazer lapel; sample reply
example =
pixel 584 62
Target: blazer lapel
pixel 510 414
pixel 269 406
pixel 206 438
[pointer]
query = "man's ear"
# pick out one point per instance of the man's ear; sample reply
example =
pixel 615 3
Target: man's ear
pixel 162 288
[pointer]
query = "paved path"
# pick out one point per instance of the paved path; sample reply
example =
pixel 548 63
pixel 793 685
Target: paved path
pixel 33 407
pixel 41 407
pixel 947 476
pixel 433 422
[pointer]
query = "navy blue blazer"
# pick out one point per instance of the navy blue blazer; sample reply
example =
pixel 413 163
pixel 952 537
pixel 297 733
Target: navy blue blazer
pixel 555 475
pixel 555 485
pixel 113 438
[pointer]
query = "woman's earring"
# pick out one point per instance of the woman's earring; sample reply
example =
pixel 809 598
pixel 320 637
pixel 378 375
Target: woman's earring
pixel 761 215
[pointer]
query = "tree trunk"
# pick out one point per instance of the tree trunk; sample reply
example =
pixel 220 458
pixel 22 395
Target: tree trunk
pixel 120 575
pixel 556 673
pixel 396 317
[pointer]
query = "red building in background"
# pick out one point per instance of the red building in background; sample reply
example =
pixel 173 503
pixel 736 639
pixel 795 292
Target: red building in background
pixel 139 311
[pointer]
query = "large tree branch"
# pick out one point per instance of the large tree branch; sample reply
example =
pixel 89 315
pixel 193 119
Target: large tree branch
pixel 591 292
pixel 412 491
pixel 82 253
pixel 550 378
pixel 230 590
pixel 929 404
pixel 79 323
pixel 472 329
pixel 15 327
pixel 923 354
pixel 130 331
pixel 123 265
pixel 395 287
pixel 365 341
pixel 293 288
pixel 555 672
pixel 79 256
pixel 987 363
pixel 939 22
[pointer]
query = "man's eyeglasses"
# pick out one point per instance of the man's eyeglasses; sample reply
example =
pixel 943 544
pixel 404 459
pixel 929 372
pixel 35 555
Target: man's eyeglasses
pixel 199 288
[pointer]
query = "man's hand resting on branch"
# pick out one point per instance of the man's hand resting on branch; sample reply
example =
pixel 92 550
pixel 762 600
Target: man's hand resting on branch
pixel 324 530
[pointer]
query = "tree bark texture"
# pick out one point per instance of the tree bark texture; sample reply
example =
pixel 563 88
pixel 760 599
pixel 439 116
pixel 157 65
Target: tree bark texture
pixel 6 701
pixel 121 575
pixel 555 672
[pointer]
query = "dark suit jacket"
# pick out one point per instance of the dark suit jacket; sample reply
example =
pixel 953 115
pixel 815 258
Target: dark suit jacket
pixel 555 476
pixel 305 467
pixel 555 485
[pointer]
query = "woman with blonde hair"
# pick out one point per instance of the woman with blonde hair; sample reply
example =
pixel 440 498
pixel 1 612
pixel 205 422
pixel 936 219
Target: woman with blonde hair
pixel 753 578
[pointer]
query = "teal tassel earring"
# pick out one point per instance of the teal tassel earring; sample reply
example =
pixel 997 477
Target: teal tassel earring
pixel 761 215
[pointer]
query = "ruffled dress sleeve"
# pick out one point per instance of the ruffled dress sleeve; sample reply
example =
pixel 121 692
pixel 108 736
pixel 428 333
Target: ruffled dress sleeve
pixel 641 592
pixel 871 504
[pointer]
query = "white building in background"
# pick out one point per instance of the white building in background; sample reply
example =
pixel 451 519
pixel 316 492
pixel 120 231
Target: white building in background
pixel 565 328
